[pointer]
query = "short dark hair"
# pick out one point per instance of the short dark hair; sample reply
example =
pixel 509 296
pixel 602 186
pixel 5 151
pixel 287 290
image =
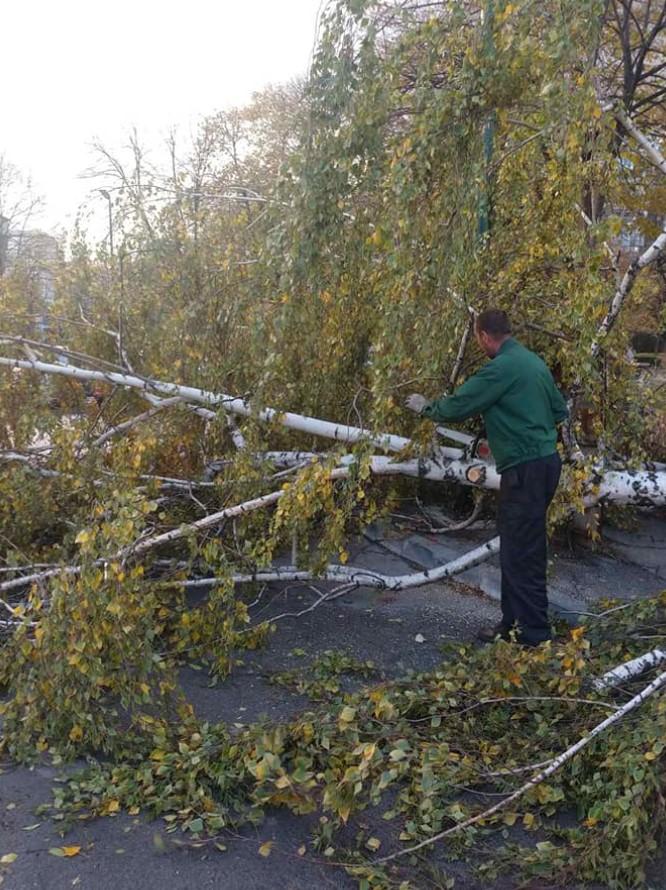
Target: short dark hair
pixel 494 322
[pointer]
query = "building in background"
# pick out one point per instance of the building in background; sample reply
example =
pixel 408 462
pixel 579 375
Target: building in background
pixel 37 253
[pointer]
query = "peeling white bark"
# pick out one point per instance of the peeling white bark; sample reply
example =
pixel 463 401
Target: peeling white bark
pixel 630 669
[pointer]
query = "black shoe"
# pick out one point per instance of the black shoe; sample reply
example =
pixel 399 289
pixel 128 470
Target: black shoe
pixel 490 634
pixel 531 644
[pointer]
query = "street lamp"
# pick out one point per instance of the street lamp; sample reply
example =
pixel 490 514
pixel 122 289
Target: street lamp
pixel 105 194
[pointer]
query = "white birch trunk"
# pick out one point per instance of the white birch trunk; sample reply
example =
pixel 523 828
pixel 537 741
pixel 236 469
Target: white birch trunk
pixel 358 577
pixel 646 488
pixel 312 425
pixel 630 669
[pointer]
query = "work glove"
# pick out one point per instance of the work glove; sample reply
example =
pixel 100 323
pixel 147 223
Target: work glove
pixel 416 402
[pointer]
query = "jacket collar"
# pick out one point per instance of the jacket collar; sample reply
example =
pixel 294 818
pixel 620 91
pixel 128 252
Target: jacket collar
pixel 507 346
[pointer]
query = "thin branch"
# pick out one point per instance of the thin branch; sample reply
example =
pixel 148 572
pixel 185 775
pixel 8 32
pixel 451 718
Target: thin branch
pixel 462 349
pixel 136 420
pixel 651 150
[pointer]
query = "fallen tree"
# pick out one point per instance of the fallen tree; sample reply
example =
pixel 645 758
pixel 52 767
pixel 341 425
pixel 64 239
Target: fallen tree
pixel 641 487
pixel 428 179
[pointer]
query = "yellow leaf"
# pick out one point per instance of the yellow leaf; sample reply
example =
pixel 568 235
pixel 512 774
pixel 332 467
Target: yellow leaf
pixel 577 633
pixel 373 844
pixel 528 820
pixel 650 755
pixel 369 751
pixel 8 858
pixel 282 782
pixel 82 537
pixel 76 733
pixel 265 848
pixel 71 851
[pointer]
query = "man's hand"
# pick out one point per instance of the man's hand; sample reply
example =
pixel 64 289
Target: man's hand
pixel 416 402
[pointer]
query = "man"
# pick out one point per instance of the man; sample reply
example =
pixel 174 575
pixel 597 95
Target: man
pixel 521 407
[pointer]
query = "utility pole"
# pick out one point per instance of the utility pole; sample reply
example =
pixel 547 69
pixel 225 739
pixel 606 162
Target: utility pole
pixel 4 243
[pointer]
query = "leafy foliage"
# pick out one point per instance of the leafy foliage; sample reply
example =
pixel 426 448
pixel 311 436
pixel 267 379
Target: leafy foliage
pixel 415 748
pixel 323 679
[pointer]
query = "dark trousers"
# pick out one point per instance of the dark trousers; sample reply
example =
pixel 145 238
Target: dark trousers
pixel 525 493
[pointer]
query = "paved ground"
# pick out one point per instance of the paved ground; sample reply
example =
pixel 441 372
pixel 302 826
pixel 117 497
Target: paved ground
pixel 120 853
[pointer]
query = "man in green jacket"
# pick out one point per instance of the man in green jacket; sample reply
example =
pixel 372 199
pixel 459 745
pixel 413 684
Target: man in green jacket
pixel 521 407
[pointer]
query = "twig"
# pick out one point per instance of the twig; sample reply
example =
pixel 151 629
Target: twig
pixel 137 419
pixel 521 699
pixel 462 349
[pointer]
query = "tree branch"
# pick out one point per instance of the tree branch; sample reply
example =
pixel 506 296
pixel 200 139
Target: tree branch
pixel 558 762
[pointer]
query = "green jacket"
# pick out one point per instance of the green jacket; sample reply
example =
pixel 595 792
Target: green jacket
pixel 519 401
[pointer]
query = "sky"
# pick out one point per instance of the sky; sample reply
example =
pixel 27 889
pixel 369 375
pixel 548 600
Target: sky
pixel 81 70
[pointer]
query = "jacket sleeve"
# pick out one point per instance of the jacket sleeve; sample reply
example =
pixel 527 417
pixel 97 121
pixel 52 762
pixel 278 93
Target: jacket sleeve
pixel 558 405
pixel 475 396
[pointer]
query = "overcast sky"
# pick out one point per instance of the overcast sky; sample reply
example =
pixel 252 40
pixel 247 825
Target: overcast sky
pixel 75 70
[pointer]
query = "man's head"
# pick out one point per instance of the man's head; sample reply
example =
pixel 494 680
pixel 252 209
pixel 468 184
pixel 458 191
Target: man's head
pixel 492 328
